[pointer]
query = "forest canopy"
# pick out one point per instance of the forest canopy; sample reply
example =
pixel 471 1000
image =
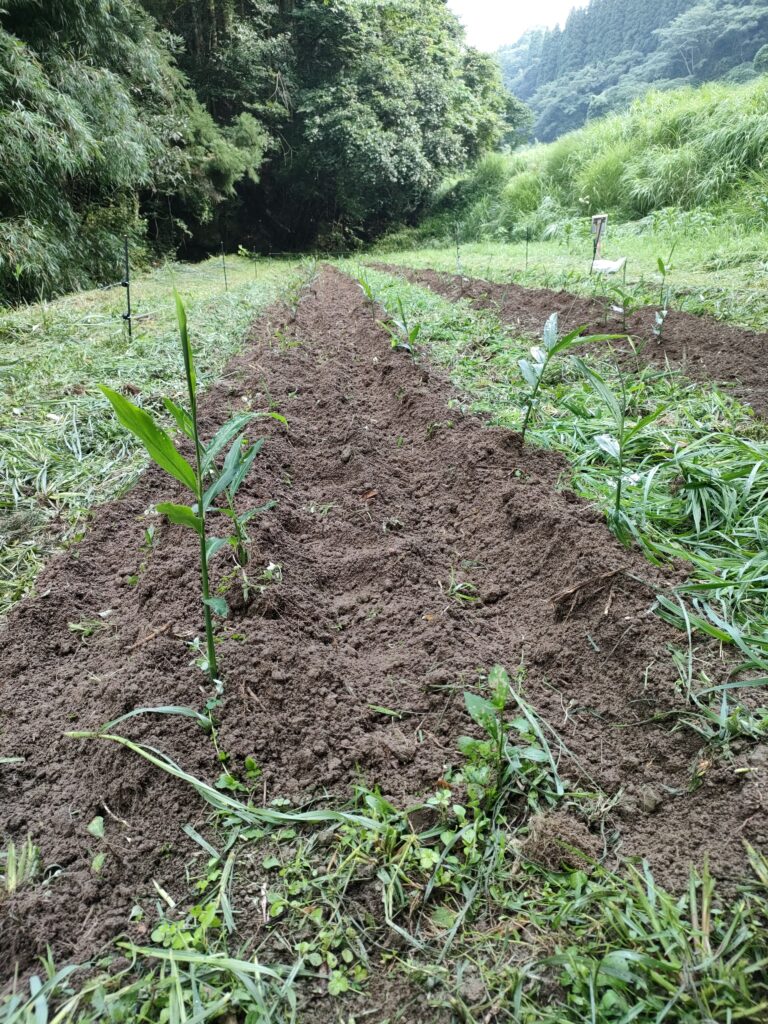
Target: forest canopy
pixel 611 52
pixel 187 123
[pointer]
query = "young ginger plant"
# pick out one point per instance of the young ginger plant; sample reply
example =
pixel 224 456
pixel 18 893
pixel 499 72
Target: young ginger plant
pixel 202 477
pixel 534 369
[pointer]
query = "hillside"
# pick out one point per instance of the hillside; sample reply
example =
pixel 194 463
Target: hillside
pixel 613 51
pixel 693 149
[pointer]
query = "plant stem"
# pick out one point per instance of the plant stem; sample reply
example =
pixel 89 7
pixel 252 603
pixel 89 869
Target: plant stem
pixel 621 424
pixel 213 669
pixel 531 401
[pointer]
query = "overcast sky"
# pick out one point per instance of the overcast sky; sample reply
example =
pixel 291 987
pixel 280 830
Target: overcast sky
pixel 494 23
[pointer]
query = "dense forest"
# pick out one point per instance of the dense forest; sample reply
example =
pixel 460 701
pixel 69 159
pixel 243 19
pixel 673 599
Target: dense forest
pixel 612 51
pixel 185 124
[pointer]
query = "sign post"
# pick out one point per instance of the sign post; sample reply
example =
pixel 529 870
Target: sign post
pixel 599 231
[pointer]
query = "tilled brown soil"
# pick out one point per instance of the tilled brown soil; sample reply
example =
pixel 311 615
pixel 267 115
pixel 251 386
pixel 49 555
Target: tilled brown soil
pixel 702 347
pixel 382 493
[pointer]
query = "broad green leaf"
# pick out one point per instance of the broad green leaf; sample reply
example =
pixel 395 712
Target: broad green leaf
pixel 214 544
pixel 182 417
pixel 158 444
pixel 661 266
pixel 533 754
pixel 498 680
pixel 218 606
pixel 443 917
pixel 529 372
pixel 480 710
pixel 181 515
pixel 609 445
pixel 615 965
pixel 549 335
pixel 96 827
pixel 274 416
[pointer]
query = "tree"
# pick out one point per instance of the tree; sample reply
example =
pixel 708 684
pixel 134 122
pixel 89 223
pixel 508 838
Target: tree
pixel 576 72
pixel 95 116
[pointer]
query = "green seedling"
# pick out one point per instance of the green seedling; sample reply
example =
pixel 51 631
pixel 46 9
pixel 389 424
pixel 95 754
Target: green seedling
pixel 626 304
pixel 402 334
pixel 534 369
pixel 665 269
pixel 460 591
pixel 96 829
pixel 19 865
pixel 367 289
pixel 202 477
pixel 498 768
pixel 615 444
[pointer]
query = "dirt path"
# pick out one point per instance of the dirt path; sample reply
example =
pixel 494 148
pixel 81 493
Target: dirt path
pixel 382 494
pixel 703 348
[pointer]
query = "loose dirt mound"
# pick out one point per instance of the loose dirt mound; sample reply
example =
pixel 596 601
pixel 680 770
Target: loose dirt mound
pixel 701 347
pixel 383 493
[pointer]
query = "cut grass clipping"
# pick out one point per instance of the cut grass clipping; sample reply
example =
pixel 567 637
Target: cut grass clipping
pixel 203 478
pixel 684 465
pixel 493 908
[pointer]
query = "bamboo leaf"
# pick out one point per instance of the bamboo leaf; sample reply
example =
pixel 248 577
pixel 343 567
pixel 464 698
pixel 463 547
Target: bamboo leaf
pixel 167 709
pixel 602 389
pixel 529 372
pixel 549 334
pixel 224 435
pixel 576 338
pixel 609 445
pixel 214 545
pixel 243 468
pixel 157 443
pixel 644 422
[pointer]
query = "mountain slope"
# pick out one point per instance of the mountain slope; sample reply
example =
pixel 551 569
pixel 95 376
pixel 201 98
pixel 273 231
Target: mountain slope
pixel 612 51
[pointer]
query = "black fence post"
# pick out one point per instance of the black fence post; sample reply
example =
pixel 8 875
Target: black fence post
pixel 224 265
pixel 126 283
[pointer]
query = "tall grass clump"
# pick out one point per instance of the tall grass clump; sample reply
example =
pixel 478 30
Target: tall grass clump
pixel 688 148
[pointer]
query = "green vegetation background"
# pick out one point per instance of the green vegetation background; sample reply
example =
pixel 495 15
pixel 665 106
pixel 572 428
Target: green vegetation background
pixel 186 125
pixel 611 52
